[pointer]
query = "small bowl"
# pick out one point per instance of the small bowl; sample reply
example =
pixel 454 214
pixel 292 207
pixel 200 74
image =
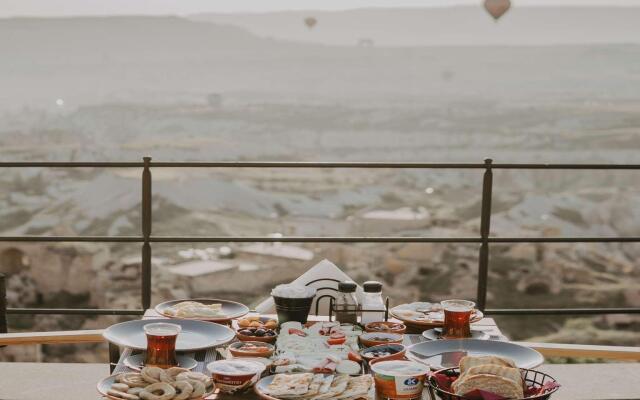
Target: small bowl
pixel 249 338
pixel 371 339
pixel 386 326
pixel 237 351
pixel 398 351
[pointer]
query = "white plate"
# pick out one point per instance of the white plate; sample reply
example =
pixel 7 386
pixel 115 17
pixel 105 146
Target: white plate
pixel 440 354
pixel 230 309
pixel 435 334
pixel 261 385
pixel 195 335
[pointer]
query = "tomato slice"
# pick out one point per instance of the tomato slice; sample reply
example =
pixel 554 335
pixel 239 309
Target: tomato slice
pixel 337 340
pixel 353 356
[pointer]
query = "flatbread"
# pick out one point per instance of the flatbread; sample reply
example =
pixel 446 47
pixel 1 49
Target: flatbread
pixel 509 373
pixel 357 387
pixel 326 384
pixel 491 383
pixel 314 386
pixel 338 386
pixel 284 385
pixel 474 361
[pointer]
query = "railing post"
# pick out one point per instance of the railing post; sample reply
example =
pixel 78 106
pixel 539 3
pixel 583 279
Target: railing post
pixel 146 234
pixel 3 304
pixel 485 223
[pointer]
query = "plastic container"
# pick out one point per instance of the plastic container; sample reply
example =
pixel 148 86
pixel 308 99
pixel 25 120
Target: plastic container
pixel 293 309
pixel 232 376
pixel 372 300
pixel 399 379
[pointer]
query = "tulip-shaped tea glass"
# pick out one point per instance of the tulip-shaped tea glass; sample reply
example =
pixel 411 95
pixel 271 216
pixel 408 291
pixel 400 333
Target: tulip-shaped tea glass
pixel 161 344
pixel 457 314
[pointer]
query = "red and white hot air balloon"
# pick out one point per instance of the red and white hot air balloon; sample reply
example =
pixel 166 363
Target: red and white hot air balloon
pixel 497 8
pixel 310 22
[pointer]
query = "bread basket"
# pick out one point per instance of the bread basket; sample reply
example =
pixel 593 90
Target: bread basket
pixel 532 378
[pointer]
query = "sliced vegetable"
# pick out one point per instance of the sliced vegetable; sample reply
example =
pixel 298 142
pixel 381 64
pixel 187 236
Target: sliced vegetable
pixel 353 356
pixel 333 341
pixel 293 331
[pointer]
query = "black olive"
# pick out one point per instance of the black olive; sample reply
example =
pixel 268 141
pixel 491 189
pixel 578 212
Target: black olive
pixel 260 332
pixel 270 333
pixel 245 332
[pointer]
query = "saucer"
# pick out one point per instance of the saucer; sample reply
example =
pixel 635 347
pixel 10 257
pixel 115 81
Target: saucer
pixel 436 334
pixel 136 362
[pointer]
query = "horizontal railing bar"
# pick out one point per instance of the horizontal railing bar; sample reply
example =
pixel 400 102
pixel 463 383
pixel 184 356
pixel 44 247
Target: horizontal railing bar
pixel 316 239
pixel 565 239
pixel 566 166
pixel 76 311
pixel 560 311
pixel 312 239
pixel 70 164
pixel 96 239
pixel 302 164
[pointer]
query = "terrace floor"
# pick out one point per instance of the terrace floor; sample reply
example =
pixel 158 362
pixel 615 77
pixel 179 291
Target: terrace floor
pixel 52 381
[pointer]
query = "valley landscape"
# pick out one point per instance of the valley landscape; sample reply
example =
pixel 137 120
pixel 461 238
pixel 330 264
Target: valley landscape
pixel 212 88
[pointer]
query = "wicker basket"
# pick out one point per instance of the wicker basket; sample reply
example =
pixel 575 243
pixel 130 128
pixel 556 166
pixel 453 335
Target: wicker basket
pixel 531 377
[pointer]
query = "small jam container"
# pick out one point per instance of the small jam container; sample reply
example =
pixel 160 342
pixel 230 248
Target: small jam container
pixel 233 376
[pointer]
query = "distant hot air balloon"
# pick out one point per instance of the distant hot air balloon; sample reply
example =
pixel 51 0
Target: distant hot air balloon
pixel 497 8
pixel 310 22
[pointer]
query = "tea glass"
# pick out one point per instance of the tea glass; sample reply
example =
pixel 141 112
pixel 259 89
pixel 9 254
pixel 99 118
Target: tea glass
pixel 457 316
pixel 161 344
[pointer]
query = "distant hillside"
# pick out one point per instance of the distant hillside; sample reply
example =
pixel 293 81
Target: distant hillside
pixel 448 26
pixel 93 60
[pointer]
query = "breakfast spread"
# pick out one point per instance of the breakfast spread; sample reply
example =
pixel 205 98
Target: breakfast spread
pixel 318 386
pixel 295 360
pixel 194 309
pixel 153 383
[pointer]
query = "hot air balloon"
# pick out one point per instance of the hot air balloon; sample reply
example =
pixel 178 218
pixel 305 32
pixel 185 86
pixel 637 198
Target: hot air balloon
pixel 310 22
pixel 497 8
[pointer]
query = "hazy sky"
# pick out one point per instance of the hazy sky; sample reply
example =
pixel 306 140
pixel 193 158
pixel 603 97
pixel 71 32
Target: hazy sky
pixel 108 7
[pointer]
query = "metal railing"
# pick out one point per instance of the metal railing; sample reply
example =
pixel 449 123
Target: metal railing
pixel 146 238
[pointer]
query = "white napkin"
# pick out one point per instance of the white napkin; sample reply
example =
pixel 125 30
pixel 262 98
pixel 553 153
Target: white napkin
pixel 323 269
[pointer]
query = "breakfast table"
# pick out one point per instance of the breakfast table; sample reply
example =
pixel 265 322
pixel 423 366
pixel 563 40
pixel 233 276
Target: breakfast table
pixel 78 381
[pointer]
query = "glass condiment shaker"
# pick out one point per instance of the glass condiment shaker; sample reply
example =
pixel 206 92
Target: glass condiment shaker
pixel 346 304
pixel 372 302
